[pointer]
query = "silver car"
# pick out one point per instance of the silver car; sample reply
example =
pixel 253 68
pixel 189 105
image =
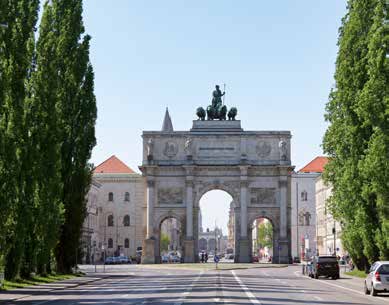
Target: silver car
pixel 378 278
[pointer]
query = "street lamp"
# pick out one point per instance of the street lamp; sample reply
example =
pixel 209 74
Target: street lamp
pixel 334 232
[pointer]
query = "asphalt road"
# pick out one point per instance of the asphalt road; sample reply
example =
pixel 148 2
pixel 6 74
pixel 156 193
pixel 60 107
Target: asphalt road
pixel 139 285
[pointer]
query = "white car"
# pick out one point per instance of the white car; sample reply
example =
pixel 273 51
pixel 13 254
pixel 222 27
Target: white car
pixel 378 278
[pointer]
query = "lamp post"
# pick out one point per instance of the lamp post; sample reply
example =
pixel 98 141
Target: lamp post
pixel 334 232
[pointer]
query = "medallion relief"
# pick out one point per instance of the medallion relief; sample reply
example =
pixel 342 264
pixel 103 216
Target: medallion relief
pixel 263 149
pixel 263 196
pixel 171 149
pixel 173 195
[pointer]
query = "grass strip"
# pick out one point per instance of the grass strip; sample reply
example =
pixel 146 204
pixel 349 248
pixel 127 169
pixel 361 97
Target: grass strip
pixel 357 273
pixel 36 280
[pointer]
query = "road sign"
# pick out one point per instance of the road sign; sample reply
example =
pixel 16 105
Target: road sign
pixel 216 259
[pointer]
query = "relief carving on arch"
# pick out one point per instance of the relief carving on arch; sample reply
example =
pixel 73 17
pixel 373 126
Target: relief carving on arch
pixel 231 187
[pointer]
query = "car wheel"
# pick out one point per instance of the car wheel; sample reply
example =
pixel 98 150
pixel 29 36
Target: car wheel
pixel 365 290
pixel 373 292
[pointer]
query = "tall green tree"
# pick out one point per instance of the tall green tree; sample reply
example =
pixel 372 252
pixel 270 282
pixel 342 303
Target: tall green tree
pixel 16 53
pixel 46 136
pixel 348 138
pixel 265 235
pixel 373 109
pixel 77 116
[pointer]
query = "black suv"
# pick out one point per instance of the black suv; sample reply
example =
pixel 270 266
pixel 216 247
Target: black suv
pixel 325 265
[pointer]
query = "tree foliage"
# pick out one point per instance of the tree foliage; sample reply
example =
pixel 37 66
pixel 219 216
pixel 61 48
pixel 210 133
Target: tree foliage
pixel 165 241
pixel 357 138
pixel 265 235
pixel 47 119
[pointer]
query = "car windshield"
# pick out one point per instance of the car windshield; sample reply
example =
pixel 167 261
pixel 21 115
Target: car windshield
pixel 384 269
pixel 327 259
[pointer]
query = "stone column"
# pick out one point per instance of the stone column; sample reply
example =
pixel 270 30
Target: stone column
pixel 148 248
pixel 189 209
pixel 243 209
pixel 283 242
pixel 283 184
pixel 150 208
pixel 189 240
pixel 244 246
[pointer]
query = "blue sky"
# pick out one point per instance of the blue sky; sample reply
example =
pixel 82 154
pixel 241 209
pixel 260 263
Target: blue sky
pixel 276 57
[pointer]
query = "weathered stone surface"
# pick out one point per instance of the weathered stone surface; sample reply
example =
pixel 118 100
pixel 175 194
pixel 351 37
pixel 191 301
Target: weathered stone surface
pixel 252 166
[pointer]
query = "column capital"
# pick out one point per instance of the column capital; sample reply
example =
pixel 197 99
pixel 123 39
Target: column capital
pixel 189 182
pixel 244 183
pixel 282 183
pixel 189 169
pixel 244 169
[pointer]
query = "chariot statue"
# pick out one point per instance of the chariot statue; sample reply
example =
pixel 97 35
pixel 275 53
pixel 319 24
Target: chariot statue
pixel 217 110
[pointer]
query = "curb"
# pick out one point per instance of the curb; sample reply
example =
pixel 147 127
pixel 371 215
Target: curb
pixel 54 289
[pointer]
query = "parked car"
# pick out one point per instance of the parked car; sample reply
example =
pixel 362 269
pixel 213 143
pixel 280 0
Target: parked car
pixel 124 260
pixel 296 260
pixel 377 279
pixel 164 259
pixel 175 259
pixel 109 260
pixel 325 265
pixel 116 260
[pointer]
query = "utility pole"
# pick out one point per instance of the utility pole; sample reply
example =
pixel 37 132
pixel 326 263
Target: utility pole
pixel 297 220
pixel 334 232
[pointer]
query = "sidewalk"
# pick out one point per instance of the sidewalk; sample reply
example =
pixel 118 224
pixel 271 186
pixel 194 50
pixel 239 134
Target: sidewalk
pixel 20 293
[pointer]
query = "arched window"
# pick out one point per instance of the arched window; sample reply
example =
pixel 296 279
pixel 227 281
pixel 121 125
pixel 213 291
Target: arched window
pixel 126 221
pixel 307 218
pixel 110 196
pixel 126 196
pixel 110 221
pixel 110 243
pixel 304 196
pixel 126 243
pixel 301 218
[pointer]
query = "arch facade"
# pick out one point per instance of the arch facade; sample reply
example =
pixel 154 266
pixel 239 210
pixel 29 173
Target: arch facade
pixel 179 167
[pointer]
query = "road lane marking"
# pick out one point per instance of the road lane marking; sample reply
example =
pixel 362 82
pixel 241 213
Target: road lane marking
pixel 318 298
pixel 349 289
pixel 186 293
pixel 250 296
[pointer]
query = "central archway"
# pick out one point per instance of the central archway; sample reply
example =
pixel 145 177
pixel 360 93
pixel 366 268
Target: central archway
pixel 216 225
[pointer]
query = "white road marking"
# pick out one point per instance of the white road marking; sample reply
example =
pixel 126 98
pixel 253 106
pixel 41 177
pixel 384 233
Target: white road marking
pixel 318 298
pixel 186 293
pixel 250 296
pixel 43 302
pixel 345 288
pixel 216 299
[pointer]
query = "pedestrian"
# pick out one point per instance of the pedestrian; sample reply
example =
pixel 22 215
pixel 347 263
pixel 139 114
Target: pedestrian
pixel 206 257
pixel 202 257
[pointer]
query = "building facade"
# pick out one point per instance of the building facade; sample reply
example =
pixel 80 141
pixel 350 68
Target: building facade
pixel 116 211
pixel 303 216
pixel 328 231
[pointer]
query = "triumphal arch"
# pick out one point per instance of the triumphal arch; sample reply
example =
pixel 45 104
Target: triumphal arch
pixel 217 154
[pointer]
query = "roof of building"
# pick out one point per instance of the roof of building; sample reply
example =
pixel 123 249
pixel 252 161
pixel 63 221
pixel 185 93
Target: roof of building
pixel 113 166
pixel 315 166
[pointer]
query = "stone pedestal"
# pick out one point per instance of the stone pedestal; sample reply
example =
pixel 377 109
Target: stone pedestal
pixel 189 251
pixel 244 251
pixel 148 251
pixel 282 257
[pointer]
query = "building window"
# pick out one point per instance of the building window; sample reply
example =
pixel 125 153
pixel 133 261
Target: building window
pixel 110 196
pixel 307 217
pixel 126 221
pixel 126 243
pixel 110 243
pixel 304 196
pixel 126 196
pixel 110 221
